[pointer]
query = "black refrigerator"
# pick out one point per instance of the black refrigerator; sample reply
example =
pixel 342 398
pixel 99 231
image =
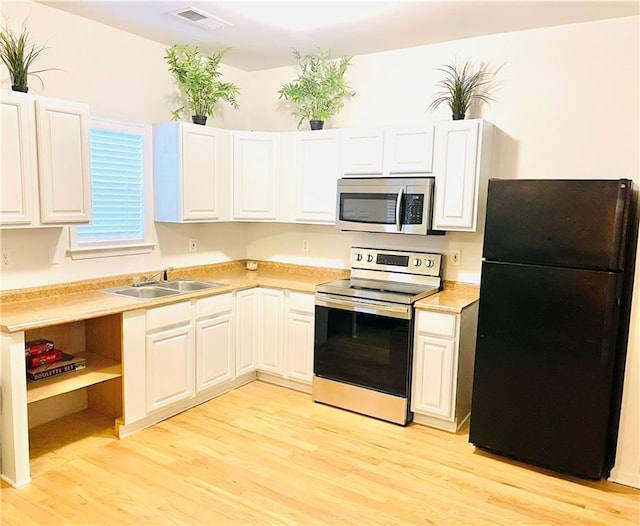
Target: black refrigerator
pixel 553 322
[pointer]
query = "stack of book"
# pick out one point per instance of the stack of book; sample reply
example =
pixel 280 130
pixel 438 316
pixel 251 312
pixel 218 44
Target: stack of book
pixel 45 361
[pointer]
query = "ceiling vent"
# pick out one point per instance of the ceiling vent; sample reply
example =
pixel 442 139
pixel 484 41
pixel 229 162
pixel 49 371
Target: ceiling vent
pixel 201 18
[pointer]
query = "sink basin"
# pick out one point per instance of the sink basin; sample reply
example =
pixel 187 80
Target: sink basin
pixel 148 292
pixel 164 288
pixel 188 285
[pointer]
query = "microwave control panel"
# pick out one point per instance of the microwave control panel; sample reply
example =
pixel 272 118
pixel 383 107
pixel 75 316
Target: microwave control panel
pixel 413 207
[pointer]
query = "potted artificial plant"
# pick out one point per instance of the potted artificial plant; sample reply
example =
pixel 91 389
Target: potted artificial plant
pixel 198 80
pixel 462 86
pixel 18 54
pixel 320 89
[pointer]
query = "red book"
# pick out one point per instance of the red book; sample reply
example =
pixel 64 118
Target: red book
pixel 37 347
pixel 41 359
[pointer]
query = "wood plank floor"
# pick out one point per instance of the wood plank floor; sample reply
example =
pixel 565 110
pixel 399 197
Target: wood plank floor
pixel 264 454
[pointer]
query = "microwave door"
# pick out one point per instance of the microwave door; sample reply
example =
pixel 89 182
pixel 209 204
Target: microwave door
pixel 371 210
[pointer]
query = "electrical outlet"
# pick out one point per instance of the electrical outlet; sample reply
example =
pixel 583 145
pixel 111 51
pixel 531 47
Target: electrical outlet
pixel 456 256
pixel 193 244
pixel 6 261
pixel 305 245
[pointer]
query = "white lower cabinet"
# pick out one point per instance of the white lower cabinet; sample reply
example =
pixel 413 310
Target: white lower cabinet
pixel 270 330
pixel 275 328
pixel 300 336
pixel 247 336
pixel 443 357
pixel 170 347
pixel 215 341
pixel 176 356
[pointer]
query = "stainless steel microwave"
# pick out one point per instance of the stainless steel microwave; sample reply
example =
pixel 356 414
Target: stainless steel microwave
pixel 380 204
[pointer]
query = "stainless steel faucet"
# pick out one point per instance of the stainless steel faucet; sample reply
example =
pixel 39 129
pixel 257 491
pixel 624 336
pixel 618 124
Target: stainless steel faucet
pixel 151 278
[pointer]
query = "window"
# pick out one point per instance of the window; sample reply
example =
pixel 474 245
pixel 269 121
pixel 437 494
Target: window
pixel 120 190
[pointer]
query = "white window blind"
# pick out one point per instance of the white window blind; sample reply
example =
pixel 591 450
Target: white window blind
pixel 119 189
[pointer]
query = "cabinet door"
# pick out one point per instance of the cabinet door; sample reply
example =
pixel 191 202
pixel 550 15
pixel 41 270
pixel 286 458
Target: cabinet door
pixel 255 175
pixel 19 160
pixel 433 370
pixel 456 170
pixel 271 331
pixel 300 340
pixel 318 169
pixel 362 152
pixel 408 151
pixel 246 334
pixel 170 366
pixel 63 161
pixel 214 351
pixel 205 173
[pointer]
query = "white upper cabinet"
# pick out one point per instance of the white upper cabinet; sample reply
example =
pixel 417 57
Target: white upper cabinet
pixel 408 151
pixel 46 172
pixel 462 155
pixel 317 172
pixel 389 152
pixel 256 163
pixel 362 152
pixel 19 160
pixel 192 173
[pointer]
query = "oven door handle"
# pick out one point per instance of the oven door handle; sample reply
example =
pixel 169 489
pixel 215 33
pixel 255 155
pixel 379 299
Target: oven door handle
pixel 399 209
pixel 366 307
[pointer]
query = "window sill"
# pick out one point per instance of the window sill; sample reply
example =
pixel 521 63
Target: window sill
pixel 106 252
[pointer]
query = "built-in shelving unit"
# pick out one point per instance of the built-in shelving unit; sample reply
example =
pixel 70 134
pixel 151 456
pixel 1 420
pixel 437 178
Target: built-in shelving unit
pixel 93 395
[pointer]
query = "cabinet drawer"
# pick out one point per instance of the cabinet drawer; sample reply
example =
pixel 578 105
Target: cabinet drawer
pixel 438 323
pixel 301 302
pixel 168 315
pixel 214 305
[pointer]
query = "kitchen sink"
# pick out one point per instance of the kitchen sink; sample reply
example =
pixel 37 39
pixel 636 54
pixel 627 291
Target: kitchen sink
pixel 164 288
pixel 148 292
pixel 188 285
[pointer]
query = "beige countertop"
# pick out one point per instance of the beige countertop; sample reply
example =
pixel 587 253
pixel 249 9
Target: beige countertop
pixel 53 305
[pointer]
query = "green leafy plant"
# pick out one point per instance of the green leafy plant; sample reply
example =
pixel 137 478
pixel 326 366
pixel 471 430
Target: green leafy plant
pixel 320 89
pixel 462 86
pixel 198 79
pixel 18 54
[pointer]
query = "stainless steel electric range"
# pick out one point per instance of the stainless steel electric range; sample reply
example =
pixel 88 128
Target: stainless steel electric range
pixel 364 331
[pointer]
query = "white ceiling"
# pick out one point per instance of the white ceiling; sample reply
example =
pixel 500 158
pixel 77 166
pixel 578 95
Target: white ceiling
pixel 256 45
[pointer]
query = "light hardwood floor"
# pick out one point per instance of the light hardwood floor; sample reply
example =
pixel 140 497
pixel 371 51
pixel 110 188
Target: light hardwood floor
pixel 264 454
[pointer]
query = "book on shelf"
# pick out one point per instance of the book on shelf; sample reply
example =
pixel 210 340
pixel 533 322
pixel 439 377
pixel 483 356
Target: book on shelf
pixel 49 357
pixel 37 347
pixel 68 364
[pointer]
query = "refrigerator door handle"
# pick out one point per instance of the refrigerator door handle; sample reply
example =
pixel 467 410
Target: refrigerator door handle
pixel 611 315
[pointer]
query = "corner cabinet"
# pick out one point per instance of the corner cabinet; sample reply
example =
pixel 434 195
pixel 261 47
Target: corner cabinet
pixel 443 358
pixel 461 163
pixel 46 173
pixel 256 164
pixel 192 173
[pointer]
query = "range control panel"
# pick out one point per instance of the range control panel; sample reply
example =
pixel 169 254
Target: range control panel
pixel 421 263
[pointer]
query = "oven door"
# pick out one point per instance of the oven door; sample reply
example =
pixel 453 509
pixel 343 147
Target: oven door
pixel 363 343
pixel 383 205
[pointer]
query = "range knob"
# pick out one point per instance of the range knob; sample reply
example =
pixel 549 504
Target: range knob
pixel 358 257
pixel 429 262
pixel 417 262
pixel 369 258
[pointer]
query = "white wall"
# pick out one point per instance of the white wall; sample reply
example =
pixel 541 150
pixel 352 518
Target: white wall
pixel 567 107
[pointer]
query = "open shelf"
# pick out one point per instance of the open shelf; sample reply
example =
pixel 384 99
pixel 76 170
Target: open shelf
pixel 64 439
pixel 99 369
